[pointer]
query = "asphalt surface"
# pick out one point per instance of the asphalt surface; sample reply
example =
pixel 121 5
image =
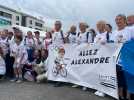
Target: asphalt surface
pixel 44 91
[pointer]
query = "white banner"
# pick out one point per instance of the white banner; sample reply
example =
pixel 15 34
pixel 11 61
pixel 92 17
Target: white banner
pixel 92 66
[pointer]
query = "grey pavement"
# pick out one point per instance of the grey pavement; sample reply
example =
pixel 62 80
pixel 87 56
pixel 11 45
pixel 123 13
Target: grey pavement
pixel 44 91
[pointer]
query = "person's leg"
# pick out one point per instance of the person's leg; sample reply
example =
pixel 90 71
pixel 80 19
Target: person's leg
pixel 122 90
pixel 19 69
pixel 24 71
pixel 128 96
pixel 132 96
pixel 34 74
pixel 19 76
pixel 15 74
pixel 1 76
pixel 11 63
pixel 7 65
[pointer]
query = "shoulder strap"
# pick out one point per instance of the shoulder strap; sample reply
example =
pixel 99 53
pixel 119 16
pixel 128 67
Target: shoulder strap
pixel 87 36
pixel 61 32
pixel 78 34
pixel 7 40
pixel 107 37
pixel 68 34
pixel 25 40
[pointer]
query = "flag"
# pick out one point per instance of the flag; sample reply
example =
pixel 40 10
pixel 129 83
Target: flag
pixel 127 63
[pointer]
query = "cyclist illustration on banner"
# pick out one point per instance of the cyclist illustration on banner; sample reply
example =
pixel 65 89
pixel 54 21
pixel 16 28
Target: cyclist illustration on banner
pixel 60 65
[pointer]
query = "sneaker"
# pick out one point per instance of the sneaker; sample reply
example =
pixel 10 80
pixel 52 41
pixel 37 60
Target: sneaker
pixel 75 86
pixel 98 93
pixel 19 81
pixel 84 88
pixel 13 80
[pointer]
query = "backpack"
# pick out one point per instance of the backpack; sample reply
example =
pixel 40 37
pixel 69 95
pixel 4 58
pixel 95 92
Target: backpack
pixel 87 36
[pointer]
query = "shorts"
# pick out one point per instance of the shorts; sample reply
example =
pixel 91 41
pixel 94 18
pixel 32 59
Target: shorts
pixel 18 65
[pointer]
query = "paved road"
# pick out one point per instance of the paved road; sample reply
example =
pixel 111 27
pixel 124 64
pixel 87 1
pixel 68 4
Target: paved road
pixel 34 91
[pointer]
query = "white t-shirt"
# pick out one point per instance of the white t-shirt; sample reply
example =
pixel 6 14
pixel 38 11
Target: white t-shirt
pixel 82 38
pixel 4 45
pixel 19 51
pixel 46 43
pixel 11 43
pixel 131 28
pixel 101 37
pixel 72 38
pixel 111 36
pixel 57 38
pixel 38 43
pixel 122 35
pixel 29 42
pixel 2 66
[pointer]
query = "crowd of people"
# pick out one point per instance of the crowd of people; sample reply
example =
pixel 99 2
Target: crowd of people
pixel 24 57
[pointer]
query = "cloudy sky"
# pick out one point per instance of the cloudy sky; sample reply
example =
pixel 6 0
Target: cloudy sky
pixel 73 11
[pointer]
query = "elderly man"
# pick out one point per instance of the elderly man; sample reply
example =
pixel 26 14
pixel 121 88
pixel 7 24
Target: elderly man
pixel 83 36
pixel 121 35
pixel 130 20
pixel 101 35
pixel 58 37
pixel 101 38
pixel 71 35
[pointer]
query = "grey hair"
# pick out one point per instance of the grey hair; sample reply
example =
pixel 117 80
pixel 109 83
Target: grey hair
pixel 123 16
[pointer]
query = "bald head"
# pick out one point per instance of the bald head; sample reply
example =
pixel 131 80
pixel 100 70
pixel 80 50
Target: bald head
pixel 130 20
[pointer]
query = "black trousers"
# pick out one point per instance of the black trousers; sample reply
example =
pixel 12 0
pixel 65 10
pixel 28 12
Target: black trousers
pixel 9 66
pixel 121 77
pixel 121 80
pixel 1 76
